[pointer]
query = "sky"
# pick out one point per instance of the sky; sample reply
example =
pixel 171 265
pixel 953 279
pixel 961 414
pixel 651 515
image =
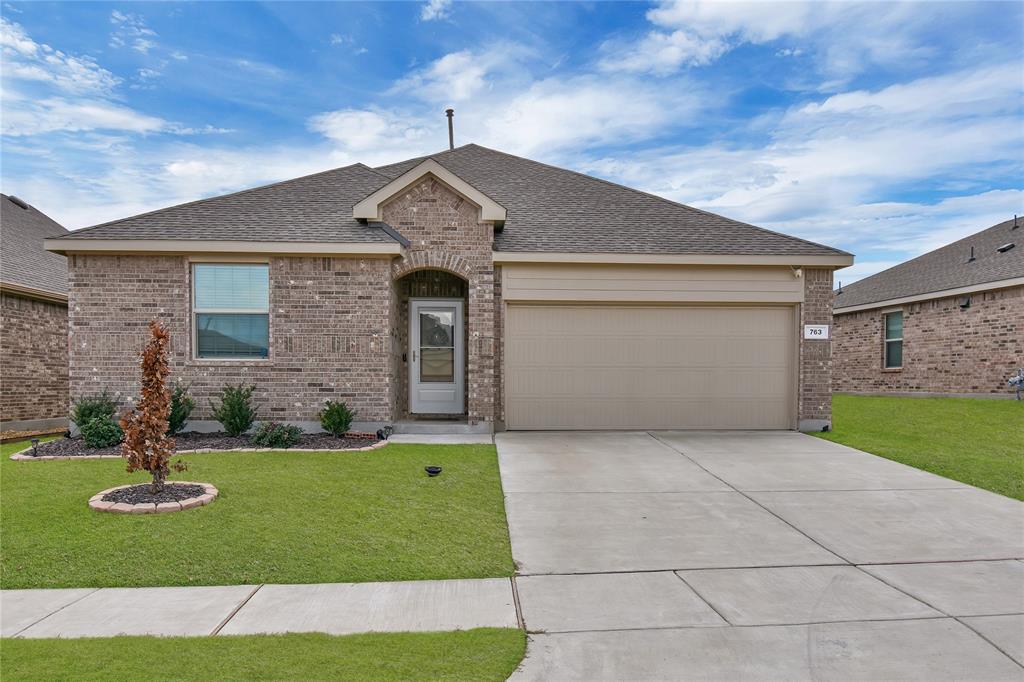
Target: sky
pixel 885 129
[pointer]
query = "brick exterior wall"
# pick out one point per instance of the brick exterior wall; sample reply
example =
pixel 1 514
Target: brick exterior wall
pixel 446 234
pixel 946 349
pixel 33 358
pixel 329 333
pixel 815 401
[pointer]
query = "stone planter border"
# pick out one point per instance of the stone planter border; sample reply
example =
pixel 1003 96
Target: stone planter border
pixel 22 457
pixel 96 501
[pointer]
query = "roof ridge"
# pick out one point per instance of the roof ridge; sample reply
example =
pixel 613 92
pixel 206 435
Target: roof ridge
pixel 973 235
pixel 220 196
pixel 659 198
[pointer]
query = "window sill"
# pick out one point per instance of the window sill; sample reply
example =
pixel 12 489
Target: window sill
pixel 231 362
pixel 892 369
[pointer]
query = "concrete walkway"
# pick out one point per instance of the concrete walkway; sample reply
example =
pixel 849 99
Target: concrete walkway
pixel 753 556
pixel 339 609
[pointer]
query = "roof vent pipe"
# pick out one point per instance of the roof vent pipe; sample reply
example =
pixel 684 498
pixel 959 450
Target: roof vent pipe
pixel 451 132
pixel 971 259
pixel 1015 225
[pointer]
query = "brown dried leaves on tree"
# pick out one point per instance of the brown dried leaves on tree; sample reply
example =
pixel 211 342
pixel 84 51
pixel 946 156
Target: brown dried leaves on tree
pixel 146 445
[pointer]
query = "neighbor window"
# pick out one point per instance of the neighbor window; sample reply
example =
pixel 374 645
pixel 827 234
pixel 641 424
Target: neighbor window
pixel 231 310
pixel 893 340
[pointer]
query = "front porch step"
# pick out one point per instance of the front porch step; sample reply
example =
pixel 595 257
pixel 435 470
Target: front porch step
pixel 439 427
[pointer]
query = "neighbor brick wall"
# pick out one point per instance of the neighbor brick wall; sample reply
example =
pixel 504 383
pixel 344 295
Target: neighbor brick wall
pixel 815 401
pixel 946 349
pixel 446 234
pixel 33 359
pixel 329 333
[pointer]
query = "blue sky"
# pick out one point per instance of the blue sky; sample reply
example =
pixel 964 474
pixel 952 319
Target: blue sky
pixel 886 129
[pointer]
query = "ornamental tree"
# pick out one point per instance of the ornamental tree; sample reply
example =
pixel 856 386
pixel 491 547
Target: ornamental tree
pixel 146 445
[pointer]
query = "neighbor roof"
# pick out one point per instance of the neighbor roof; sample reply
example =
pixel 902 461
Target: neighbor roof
pixel 549 209
pixel 945 268
pixel 23 262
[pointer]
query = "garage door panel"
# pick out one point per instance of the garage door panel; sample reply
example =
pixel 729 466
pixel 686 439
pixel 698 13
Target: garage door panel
pixel 637 367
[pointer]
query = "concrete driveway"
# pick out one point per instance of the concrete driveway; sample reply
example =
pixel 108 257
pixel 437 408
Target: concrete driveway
pixel 756 555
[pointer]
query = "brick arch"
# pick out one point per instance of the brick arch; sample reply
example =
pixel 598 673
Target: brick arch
pixel 431 260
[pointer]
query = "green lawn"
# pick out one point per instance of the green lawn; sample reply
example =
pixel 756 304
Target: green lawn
pixel 467 655
pixel 976 441
pixel 282 517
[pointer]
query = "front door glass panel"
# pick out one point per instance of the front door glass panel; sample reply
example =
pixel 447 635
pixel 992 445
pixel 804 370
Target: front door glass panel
pixel 437 346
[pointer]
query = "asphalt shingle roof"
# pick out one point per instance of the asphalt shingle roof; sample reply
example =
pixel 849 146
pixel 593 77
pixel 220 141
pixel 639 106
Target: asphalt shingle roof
pixel 23 261
pixel 314 208
pixel 549 209
pixel 944 268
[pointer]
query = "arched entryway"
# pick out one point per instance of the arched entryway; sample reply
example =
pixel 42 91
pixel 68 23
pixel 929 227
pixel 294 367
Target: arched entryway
pixel 430 357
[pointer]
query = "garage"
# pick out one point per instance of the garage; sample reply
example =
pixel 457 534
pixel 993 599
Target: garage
pixel 649 367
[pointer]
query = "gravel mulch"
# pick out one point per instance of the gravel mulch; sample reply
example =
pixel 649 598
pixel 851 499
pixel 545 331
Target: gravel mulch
pixel 140 494
pixel 192 440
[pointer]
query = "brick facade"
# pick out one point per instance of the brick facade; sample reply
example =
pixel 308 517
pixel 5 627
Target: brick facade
pixel 946 348
pixel 33 358
pixel 446 235
pixel 815 401
pixel 329 333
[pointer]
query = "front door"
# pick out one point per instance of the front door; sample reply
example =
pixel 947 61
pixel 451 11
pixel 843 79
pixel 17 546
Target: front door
pixel 436 374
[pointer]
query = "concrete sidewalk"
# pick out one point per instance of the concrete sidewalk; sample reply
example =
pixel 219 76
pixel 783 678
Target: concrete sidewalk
pixel 336 608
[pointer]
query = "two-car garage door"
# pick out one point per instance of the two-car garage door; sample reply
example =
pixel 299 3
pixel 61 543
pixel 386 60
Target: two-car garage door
pixel 649 367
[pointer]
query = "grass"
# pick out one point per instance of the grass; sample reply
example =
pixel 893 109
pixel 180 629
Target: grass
pixel 282 517
pixel 975 441
pixel 8 449
pixel 487 654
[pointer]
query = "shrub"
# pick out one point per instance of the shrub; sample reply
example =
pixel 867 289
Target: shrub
pixel 336 418
pixel 101 432
pixel 146 444
pixel 87 409
pixel 236 413
pixel 182 405
pixel 275 435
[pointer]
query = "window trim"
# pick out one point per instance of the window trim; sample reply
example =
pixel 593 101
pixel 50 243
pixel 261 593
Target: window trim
pixel 195 312
pixel 886 340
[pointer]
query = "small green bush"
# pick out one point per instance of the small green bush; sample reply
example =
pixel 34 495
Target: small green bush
pixel 101 432
pixel 182 405
pixel 336 418
pixel 236 412
pixel 275 435
pixel 88 408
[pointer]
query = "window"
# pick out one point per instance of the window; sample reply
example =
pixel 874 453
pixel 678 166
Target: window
pixel 893 340
pixel 231 310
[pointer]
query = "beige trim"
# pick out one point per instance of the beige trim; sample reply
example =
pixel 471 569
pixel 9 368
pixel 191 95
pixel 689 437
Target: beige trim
pixel 837 261
pixel 31 292
pixel 228 259
pixel 945 293
pixel 196 246
pixel 370 207
pixel 638 283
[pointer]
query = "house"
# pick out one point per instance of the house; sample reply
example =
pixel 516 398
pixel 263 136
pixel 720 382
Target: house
pixel 470 286
pixel 950 322
pixel 33 321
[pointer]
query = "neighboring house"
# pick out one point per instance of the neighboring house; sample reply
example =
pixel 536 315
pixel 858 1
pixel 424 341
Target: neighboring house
pixel 948 322
pixel 472 286
pixel 33 321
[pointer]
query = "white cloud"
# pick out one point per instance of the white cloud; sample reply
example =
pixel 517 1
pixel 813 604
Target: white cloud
pixel 131 30
pixel 34 117
pixel 27 60
pixel 825 165
pixel 435 10
pixel 846 36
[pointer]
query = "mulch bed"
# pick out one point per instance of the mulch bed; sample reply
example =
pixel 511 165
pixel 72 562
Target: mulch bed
pixel 192 440
pixel 140 494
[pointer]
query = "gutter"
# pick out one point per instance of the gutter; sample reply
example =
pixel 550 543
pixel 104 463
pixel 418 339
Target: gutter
pixel 942 293
pixel 32 292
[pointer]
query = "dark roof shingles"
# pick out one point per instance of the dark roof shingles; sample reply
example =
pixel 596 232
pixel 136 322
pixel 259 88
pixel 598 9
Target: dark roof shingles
pixel 23 262
pixel 944 268
pixel 549 209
